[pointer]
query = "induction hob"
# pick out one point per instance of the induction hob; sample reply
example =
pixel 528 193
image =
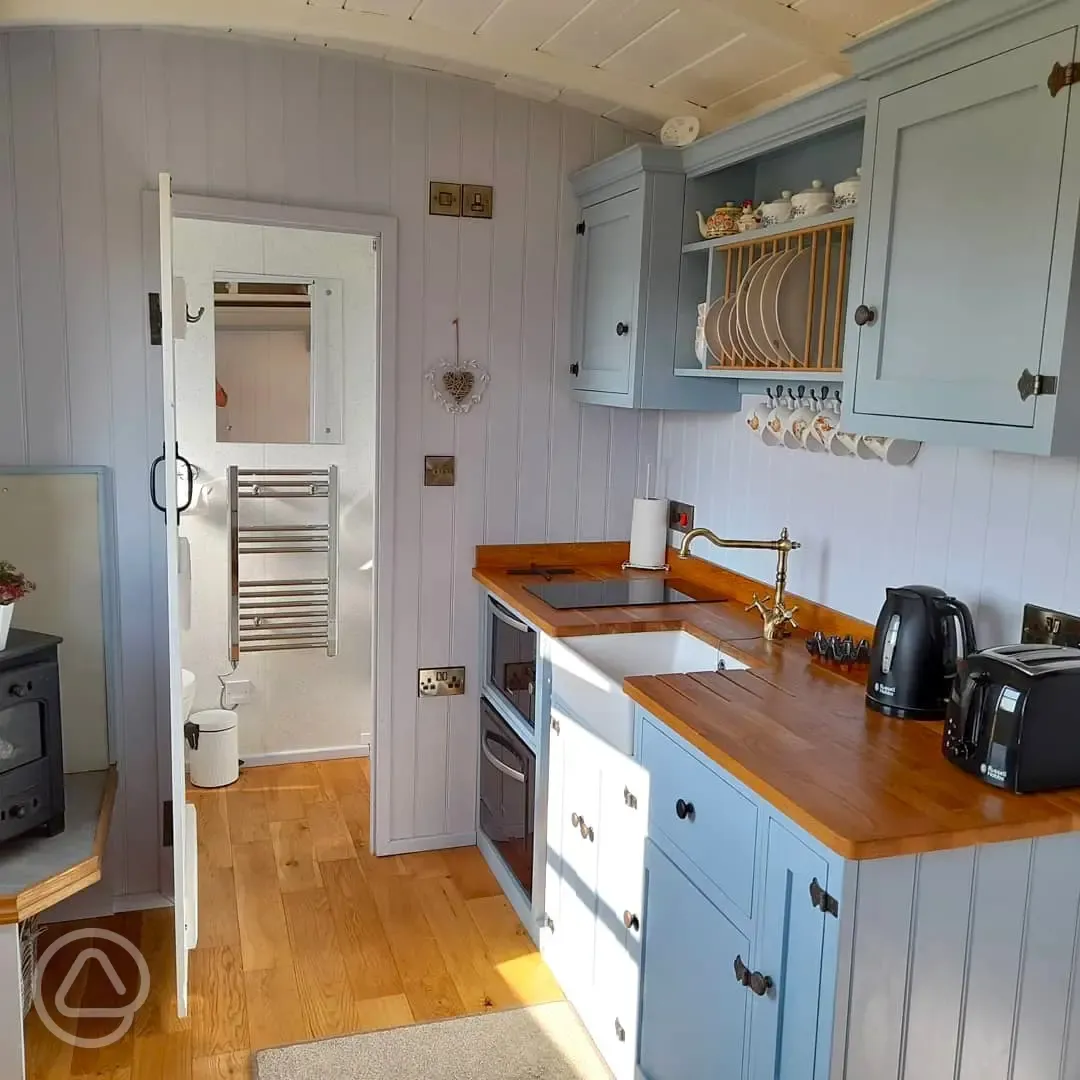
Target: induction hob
pixel 617 592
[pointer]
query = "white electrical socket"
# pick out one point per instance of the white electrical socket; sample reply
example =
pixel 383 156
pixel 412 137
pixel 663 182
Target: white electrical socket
pixel 237 692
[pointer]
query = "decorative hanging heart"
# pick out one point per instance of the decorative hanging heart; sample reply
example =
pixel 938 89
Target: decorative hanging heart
pixel 458 384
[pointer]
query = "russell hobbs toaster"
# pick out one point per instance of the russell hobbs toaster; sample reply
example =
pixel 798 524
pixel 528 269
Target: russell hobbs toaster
pixel 1014 717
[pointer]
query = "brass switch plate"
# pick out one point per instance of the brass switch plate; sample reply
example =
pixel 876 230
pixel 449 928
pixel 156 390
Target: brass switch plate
pixel 438 471
pixel 477 200
pixel 441 682
pixel 445 198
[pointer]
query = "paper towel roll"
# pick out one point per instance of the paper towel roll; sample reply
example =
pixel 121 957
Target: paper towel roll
pixel 648 534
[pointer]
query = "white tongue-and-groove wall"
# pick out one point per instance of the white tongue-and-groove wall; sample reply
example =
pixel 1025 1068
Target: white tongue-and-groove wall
pixel 995 529
pixel 88 119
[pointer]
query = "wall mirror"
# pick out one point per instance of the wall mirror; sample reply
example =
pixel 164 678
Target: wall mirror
pixel 278 364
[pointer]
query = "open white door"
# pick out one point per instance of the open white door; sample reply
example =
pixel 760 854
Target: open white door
pixel 183 864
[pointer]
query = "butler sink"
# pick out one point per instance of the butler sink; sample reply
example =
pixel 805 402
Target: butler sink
pixel 587 675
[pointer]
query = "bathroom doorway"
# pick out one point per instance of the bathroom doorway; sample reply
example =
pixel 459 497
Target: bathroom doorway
pixel 282 330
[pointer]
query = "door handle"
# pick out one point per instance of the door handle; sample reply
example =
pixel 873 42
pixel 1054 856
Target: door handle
pixel 189 471
pixel 864 315
pixel 153 479
pixel 753 980
pixel 506 770
pixel 622 329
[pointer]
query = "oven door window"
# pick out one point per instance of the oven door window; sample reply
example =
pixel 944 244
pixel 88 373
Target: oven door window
pixel 507 769
pixel 21 738
pixel 513 661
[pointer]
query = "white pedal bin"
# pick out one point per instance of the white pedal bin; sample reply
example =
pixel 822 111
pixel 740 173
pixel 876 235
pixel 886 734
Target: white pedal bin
pixel 215 762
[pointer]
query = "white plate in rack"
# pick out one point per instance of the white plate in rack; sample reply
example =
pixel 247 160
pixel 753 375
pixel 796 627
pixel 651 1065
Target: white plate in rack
pixel 744 340
pixel 792 298
pixel 755 324
pixel 770 319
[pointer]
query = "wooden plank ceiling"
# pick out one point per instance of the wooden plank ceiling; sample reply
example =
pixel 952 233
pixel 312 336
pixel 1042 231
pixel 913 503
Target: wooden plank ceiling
pixel 634 61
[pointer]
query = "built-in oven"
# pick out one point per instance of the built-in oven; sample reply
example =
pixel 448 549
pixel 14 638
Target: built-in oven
pixel 507 794
pixel 511 662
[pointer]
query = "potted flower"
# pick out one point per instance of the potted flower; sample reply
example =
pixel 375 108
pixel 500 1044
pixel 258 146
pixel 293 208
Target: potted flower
pixel 13 586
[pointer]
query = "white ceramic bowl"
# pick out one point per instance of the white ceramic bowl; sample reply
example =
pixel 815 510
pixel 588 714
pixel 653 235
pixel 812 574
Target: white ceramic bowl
pixel 816 199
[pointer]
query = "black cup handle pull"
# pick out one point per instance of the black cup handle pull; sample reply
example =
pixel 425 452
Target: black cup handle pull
pixel 153 480
pixel 189 475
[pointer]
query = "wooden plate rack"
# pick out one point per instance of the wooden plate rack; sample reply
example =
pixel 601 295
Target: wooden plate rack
pixel 829 245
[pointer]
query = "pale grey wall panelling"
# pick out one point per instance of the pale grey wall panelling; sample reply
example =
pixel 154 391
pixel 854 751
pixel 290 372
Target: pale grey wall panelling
pixel 226 118
pixel 937 965
pixel 879 981
pixel 507 302
pixel 408 106
pixel 38 229
pixel 543 183
pixel 995 944
pixel 87 120
pixel 13 434
pixel 474 283
pixel 82 204
pixel 996 529
pixel 577 151
pixel 437 505
pixel 1048 966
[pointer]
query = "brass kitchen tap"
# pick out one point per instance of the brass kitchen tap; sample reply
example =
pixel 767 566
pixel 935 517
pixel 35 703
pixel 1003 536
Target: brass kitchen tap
pixel 779 618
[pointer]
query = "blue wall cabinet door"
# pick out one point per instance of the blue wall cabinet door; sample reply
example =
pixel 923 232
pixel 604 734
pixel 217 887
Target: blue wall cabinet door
pixel 609 263
pixel 621 828
pixel 784 1022
pixel 954 294
pixel 693 1011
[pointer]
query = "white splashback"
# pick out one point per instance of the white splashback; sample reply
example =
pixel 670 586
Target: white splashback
pixel 88 119
pixel 997 530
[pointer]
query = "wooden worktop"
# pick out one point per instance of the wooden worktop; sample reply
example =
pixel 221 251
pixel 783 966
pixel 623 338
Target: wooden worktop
pixel 794 731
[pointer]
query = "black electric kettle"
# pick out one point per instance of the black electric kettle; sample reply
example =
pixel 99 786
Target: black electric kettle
pixel 920 635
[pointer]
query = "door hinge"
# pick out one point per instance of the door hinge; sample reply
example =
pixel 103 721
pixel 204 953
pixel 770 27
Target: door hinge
pixel 821 899
pixel 1062 75
pixel 580 228
pixel 154 302
pixel 166 824
pixel 1031 385
pixel 555 725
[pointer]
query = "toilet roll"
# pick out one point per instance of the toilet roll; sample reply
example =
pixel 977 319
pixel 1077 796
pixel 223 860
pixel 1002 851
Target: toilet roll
pixel 648 534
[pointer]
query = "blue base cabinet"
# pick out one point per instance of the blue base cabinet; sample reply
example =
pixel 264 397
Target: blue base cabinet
pixel 694 1015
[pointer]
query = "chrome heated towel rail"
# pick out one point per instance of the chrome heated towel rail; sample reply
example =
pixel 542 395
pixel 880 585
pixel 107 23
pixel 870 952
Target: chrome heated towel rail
pixel 277 614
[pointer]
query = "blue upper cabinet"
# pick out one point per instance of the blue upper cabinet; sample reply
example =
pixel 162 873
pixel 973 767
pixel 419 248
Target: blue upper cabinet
pixel 627 286
pixel 960 327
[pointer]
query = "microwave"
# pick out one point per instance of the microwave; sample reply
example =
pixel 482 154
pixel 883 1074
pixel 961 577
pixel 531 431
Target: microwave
pixel 31 740
pixel 510 669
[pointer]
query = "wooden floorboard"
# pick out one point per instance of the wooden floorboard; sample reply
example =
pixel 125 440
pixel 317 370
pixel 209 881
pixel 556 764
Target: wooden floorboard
pixel 303 934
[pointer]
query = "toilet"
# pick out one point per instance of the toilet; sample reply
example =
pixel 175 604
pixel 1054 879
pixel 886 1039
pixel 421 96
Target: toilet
pixel 187 692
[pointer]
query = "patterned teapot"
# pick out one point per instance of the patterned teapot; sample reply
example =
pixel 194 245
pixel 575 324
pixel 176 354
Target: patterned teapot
pixel 724 221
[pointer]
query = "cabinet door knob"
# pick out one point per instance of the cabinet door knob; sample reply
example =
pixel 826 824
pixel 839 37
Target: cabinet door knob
pixel 631 921
pixel 684 810
pixel 753 980
pixel 575 370
pixel 622 329
pixel 864 315
pixel 575 820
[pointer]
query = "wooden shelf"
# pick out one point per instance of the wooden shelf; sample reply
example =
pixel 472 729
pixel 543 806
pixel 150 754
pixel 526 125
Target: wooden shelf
pixel 788 228
pixel 810 376
pixel 37 872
